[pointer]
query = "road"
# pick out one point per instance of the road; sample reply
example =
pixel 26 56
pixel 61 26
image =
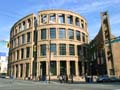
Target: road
pixel 10 84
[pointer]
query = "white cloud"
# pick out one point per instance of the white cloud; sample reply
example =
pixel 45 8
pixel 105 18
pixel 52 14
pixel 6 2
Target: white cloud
pixel 95 6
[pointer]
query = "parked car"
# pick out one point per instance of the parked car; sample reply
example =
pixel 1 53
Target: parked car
pixel 114 79
pixel 103 79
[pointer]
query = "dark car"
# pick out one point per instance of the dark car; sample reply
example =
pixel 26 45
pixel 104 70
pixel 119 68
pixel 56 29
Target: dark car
pixel 114 79
pixel 103 79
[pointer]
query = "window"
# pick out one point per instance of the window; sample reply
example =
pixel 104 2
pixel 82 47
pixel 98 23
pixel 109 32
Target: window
pixel 71 49
pixel 22 53
pixel 71 34
pixel 52 33
pixel 28 37
pixel 79 50
pixel 61 18
pixel 27 52
pixel 78 35
pixel 62 33
pixel 70 19
pixel 77 22
pixel 82 24
pixel 17 54
pixel 29 23
pixel 43 49
pixel 83 37
pixel 53 48
pixel 44 19
pixel 52 18
pixel 18 40
pixel 43 33
pixel 53 67
pixel 23 38
pixel 62 49
pixel 23 25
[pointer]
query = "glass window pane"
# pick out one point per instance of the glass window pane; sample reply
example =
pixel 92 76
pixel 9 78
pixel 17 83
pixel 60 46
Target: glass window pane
pixel 52 18
pixel 53 67
pixel 23 39
pixel 71 49
pixel 62 33
pixel 43 18
pixel 78 35
pixel 83 37
pixel 43 49
pixel 28 37
pixel 61 18
pixel 70 19
pixel 77 22
pixel 53 48
pixel 43 33
pixel 62 49
pixel 27 52
pixel 71 34
pixel 52 33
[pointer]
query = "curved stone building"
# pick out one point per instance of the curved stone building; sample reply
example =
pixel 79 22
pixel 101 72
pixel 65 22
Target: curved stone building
pixel 50 44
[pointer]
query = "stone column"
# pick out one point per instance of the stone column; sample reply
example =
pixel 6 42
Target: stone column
pixel 76 68
pixel 19 70
pixel 58 68
pixel 68 68
pixel 47 68
pixel 38 69
pixel 14 71
pixel 24 71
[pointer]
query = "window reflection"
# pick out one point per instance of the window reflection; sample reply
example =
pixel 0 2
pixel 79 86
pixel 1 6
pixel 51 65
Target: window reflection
pixel 62 33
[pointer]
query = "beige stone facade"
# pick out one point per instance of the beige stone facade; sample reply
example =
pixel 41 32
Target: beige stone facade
pixel 62 39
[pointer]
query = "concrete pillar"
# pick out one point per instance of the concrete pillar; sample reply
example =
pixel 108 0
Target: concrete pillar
pixel 76 68
pixel 24 71
pixel 58 68
pixel 19 70
pixel 14 71
pixel 38 69
pixel 47 68
pixel 68 68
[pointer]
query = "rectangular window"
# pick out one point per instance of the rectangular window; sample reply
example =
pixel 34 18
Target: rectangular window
pixel 53 67
pixel 28 37
pixel 43 33
pixel 52 18
pixel 84 51
pixel 52 33
pixel 71 49
pixel 70 19
pixel 23 38
pixel 82 24
pixel 83 37
pixel 44 19
pixel 77 22
pixel 27 52
pixel 62 49
pixel 71 34
pixel 53 48
pixel 78 35
pixel 18 40
pixel 22 53
pixel 17 54
pixel 61 18
pixel 79 50
pixel 43 49
pixel 62 33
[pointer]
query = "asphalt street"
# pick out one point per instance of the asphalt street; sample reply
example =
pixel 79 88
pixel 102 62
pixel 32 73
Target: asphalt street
pixel 11 84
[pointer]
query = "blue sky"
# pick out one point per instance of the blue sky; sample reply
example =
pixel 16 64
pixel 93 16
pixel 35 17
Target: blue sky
pixel 12 10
